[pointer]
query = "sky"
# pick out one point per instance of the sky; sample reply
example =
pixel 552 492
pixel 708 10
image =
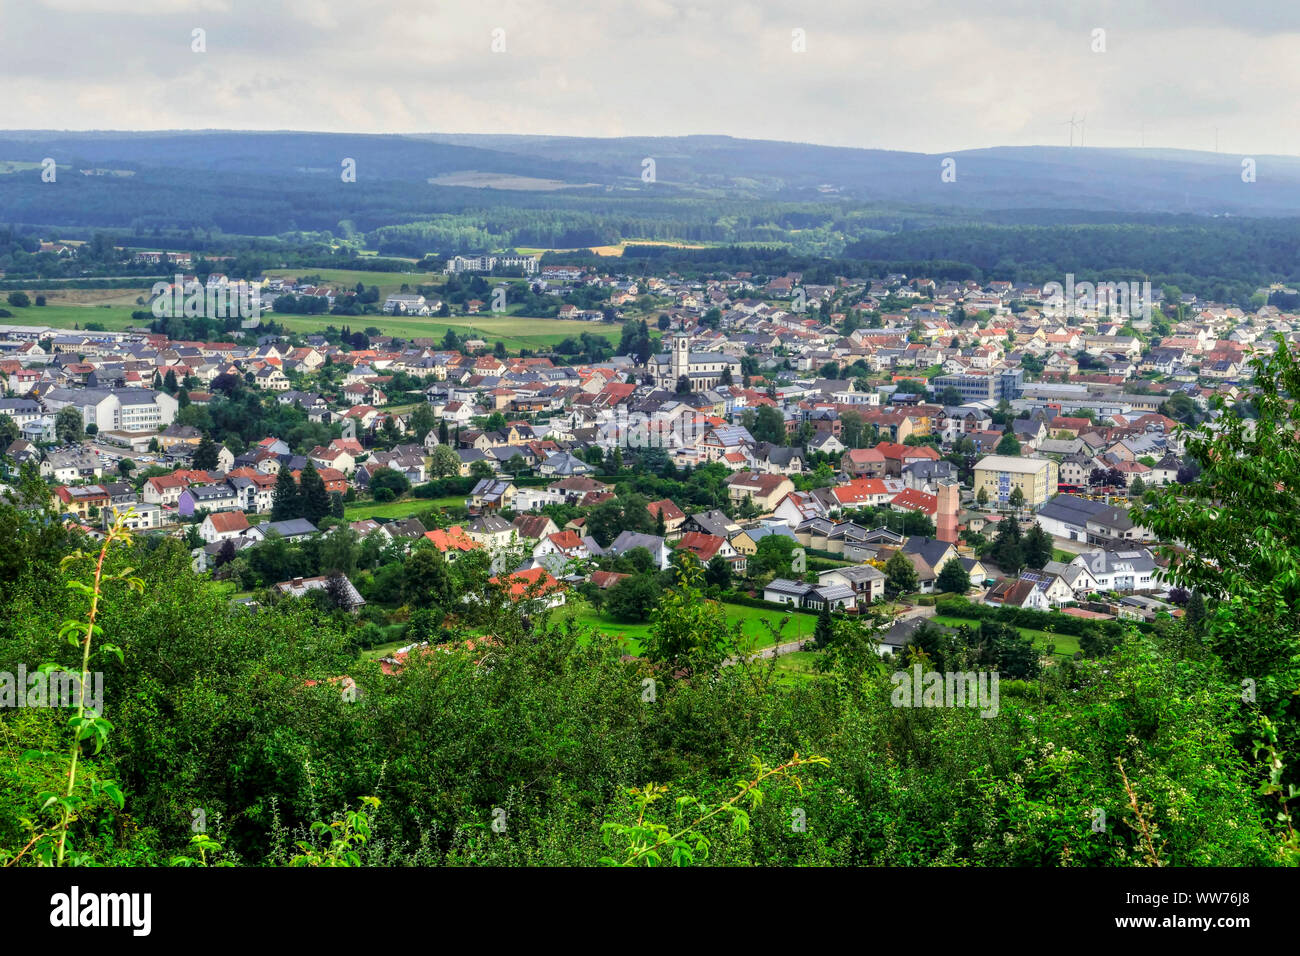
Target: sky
pixel 922 75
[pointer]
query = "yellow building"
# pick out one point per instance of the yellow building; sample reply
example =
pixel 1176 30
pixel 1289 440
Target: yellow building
pixel 999 475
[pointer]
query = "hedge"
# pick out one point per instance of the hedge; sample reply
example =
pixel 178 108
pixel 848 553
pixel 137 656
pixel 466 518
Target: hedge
pixel 1034 620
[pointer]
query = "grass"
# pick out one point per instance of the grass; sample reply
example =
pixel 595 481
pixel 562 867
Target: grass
pixel 1066 644
pixel 229 589
pixel 112 308
pixel 112 317
pixel 797 667
pixel 754 632
pixel 386 282
pixel 393 631
pixel 404 508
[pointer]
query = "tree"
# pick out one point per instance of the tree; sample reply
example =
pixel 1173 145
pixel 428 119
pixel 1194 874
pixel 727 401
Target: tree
pixel 1137 487
pixel 444 462
pixel 769 425
pixel 125 467
pixel 1235 524
pixel 8 431
pixel 422 420
pixel 205 455
pixel 285 503
pixel 900 575
pixel 225 555
pixel 1194 614
pixel 388 480
pixel 982 496
pixel 688 634
pixel 1009 445
pixel 1036 547
pixel 69 426
pixel 632 599
pixel 622 513
pixel 19 300
pixel 717 573
pixel 315 500
pixel 1017 498
pixel 169 383
pixel 954 578
pixel 1006 551
pixel 824 632
pixel 336 506
pixel 773 556
pixel 426 579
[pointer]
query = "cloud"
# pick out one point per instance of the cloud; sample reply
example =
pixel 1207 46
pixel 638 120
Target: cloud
pixel 930 75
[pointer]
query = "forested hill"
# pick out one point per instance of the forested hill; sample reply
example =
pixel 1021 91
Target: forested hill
pixel 269 182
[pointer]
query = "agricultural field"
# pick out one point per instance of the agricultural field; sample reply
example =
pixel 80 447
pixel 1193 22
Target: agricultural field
pixel 616 250
pixel 514 331
pixel 386 282
pixel 65 316
pixel 112 308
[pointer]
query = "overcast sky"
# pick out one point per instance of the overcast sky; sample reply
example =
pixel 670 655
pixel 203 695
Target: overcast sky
pixel 926 75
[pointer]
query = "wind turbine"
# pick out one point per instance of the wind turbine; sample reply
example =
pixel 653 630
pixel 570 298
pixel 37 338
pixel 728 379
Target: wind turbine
pixel 1072 123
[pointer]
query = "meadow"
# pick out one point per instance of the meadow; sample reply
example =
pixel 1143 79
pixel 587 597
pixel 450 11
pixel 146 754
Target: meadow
pixel 514 331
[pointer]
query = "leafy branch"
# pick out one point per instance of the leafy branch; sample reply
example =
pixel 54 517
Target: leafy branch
pixel 49 846
pixel 346 837
pixel 648 841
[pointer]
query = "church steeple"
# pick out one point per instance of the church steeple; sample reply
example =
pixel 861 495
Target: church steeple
pixel 681 356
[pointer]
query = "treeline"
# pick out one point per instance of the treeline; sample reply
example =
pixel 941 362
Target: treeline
pixel 1223 259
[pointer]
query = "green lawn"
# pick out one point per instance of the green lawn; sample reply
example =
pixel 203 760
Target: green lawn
pixel 798 667
pixel 1066 644
pixel 754 631
pixel 230 590
pixel 404 508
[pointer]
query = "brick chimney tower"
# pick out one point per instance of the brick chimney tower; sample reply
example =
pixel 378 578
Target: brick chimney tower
pixel 945 519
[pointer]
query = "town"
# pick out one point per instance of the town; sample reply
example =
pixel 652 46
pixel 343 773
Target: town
pixel 917 448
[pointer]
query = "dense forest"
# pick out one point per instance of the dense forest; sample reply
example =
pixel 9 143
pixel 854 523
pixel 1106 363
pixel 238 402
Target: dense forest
pixel 226 732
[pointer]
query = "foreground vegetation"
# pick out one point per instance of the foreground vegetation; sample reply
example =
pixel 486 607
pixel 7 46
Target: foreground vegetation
pixel 232 736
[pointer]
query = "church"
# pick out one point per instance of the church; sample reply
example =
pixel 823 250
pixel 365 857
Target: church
pixel 705 370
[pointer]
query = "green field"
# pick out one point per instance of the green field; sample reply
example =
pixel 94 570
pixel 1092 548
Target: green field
pixel 754 631
pixel 1066 644
pixel 514 331
pixel 406 508
pixel 112 317
pixel 386 282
